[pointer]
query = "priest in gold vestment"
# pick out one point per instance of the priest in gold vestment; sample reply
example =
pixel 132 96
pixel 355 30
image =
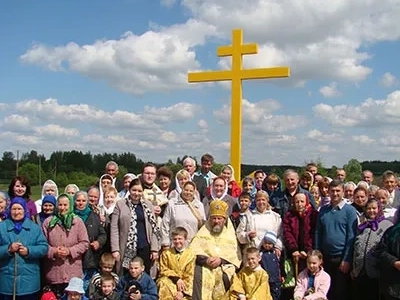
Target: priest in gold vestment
pixel 251 283
pixel 217 254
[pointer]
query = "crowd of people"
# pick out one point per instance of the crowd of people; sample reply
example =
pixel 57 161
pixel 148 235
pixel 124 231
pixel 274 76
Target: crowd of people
pixel 201 236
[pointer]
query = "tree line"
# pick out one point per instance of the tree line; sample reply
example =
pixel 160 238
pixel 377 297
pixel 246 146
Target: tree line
pixel 66 167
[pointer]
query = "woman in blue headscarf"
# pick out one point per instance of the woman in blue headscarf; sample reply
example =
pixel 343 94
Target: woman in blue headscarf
pixel 47 209
pixel 22 244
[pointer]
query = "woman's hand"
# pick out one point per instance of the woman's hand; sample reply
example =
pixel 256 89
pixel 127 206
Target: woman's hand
pixel 157 210
pixel 154 255
pixel 95 245
pixel 278 253
pixel 252 234
pixel 23 251
pixel 117 256
pixel 14 247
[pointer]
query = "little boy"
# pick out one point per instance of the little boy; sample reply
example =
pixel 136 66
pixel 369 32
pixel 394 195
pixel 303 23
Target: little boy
pixel 245 225
pixel 252 281
pixel 270 263
pixel 74 290
pixel 240 209
pixel 107 262
pixel 107 289
pixel 137 284
pixel 177 268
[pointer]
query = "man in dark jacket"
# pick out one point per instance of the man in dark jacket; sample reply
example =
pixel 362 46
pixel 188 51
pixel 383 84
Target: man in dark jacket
pixel 189 164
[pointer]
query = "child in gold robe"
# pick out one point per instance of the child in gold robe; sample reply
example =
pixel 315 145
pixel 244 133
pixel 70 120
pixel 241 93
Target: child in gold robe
pixel 177 269
pixel 251 283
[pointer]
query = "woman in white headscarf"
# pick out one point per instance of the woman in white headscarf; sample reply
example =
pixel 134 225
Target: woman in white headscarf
pixel 218 191
pixel 49 188
pixel 105 181
pixel 126 180
pixel 181 178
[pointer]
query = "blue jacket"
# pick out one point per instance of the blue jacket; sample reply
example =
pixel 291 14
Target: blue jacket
pixel 145 285
pixel 28 267
pixel 270 263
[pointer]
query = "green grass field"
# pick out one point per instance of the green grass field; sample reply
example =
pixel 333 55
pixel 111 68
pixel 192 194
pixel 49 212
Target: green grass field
pixel 36 191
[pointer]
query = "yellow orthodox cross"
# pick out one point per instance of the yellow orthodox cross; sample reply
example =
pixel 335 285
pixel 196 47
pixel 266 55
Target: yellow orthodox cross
pixel 236 75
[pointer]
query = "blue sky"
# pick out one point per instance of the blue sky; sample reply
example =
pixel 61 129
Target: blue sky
pixel 111 76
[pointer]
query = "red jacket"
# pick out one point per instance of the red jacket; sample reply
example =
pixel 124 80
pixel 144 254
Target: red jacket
pixel 298 232
pixel 235 190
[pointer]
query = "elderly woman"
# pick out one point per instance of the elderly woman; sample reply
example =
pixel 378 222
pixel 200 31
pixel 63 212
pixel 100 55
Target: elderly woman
pixel 126 180
pixel 184 211
pixel 219 191
pixel 48 204
pixel 134 230
pixel 96 233
pixel 3 205
pixel 365 269
pixel 71 189
pixel 49 188
pixel 68 240
pixel 22 244
pixel 181 178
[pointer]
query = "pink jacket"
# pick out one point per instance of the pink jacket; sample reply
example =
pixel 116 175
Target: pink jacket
pixel 76 240
pixel 322 282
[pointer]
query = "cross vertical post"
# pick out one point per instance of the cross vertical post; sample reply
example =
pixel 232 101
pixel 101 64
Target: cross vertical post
pixel 236 75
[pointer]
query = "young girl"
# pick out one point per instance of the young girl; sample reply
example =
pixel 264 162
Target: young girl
pixel 299 228
pixel 313 282
pixel 323 187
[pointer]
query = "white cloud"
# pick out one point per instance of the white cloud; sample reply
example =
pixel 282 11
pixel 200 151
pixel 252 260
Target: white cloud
pixel 153 61
pixel 158 59
pixel 369 113
pixel 320 137
pixel 178 112
pixel 259 117
pixel 202 124
pixel 56 131
pixel 16 122
pixel 389 80
pixel 363 139
pixel 283 31
pixel 330 91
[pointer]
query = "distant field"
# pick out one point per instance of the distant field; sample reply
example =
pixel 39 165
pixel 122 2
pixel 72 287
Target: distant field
pixel 36 191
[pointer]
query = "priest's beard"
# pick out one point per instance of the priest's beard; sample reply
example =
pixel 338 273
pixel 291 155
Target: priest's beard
pixel 217 229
